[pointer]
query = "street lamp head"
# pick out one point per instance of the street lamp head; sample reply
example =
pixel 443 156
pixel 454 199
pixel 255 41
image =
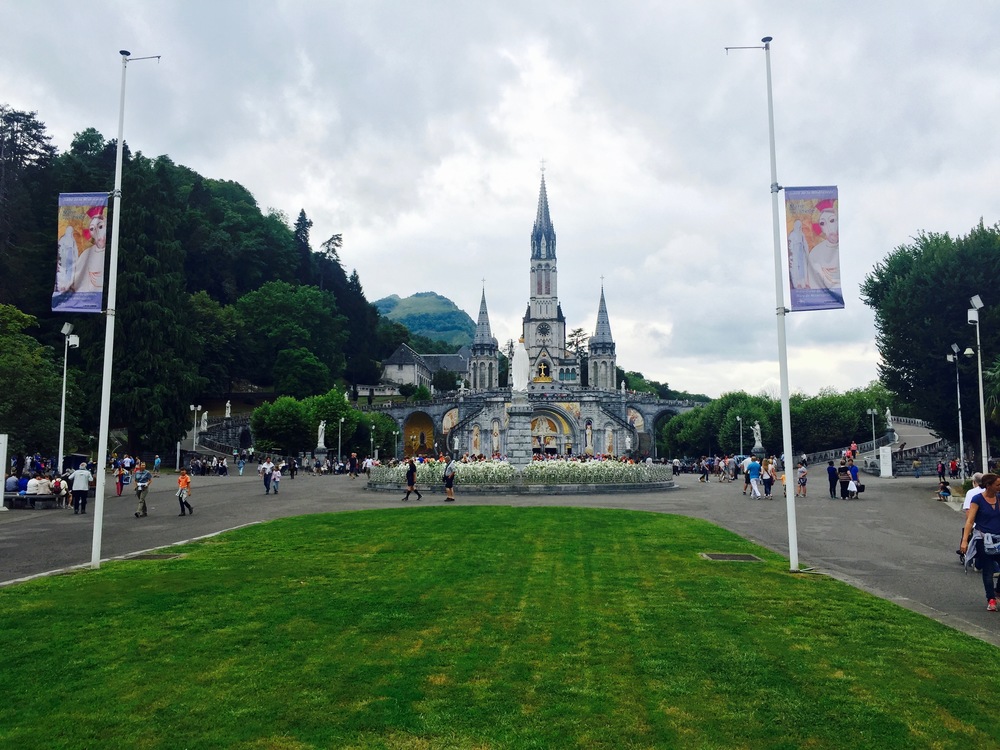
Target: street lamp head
pixel 73 341
pixel 973 316
pixel 67 329
pixel 968 351
pixel 954 348
pixel 342 420
pixel 739 418
pixel 976 301
pixel 124 52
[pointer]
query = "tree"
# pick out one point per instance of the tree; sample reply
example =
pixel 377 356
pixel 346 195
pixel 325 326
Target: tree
pixel 298 373
pixel 26 156
pixel 216 338
pixel 153 375
pixel 32 387
pixel 444 380
pixel 283 424
pixel 303 251
pixel 282 316
pixel 920 294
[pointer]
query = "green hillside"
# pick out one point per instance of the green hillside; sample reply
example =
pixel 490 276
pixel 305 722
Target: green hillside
pixel 430 315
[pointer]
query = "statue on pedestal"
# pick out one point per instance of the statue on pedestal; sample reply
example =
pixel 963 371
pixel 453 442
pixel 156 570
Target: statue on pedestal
pixel 204 420
pixel 321 435
pixel 519 367
pixel 229 410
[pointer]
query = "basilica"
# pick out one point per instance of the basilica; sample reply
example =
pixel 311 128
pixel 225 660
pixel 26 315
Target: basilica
pixel 573 412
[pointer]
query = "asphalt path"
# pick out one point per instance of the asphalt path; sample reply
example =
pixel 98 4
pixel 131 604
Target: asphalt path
pixel 898 542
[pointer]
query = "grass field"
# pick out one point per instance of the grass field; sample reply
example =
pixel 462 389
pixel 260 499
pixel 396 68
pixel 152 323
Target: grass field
pixel 479 627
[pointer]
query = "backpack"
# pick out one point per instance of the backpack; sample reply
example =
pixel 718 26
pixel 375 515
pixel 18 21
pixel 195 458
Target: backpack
pixel 56 487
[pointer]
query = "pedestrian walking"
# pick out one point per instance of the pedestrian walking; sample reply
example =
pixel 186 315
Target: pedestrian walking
pixel 184 492
pixel 411 481
pixel 831 475
pixel 156 465
pixel 275 479
pixel 753 471
pixel 801 477
pixel 984 552
pixel 142 481
pixel 265 471
pixel 80 482
pixel 449 480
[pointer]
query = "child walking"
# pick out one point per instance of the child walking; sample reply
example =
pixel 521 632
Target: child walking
pixel 184 492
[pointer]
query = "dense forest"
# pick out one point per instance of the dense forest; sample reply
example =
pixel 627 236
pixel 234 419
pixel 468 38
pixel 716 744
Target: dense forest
pixel 213 293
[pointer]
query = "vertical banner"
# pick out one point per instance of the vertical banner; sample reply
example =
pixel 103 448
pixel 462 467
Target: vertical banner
pixel 80 263
pixel 812 227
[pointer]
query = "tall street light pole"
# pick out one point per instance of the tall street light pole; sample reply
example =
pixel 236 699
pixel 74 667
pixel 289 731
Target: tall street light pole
pixel 71 341
pixel 340 429
pixel 194 432
pixel 781 311
pixel 740 420
pixel 371 443
pixel 958 396
pixel 977 304
pixel 871 413
pixel 109 327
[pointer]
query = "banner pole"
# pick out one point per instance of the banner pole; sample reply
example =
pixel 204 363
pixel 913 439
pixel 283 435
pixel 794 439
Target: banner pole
pixel 782 311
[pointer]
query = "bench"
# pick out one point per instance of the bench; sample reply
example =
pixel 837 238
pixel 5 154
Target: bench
pixel 14 501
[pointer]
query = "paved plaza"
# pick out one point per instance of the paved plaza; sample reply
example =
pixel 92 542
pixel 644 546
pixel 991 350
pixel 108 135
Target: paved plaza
pixel 898 543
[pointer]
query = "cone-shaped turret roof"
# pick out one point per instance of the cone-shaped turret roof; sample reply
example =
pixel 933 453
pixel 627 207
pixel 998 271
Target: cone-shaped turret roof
pixel 602 334
pixel 484 337
pixel 543 234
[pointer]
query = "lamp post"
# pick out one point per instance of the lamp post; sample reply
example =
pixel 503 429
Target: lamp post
pixel 780 310
pixel 395 444
pixel 958 394
pixel 371 442
pixel 977 304
pixel 71 341
pixel 109 324
pixel 340 429
pixel 871 413
pixel 194 432
pixel 740 420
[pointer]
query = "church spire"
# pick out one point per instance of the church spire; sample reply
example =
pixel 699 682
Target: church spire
pixel 484 337
pixel 602 334
pixel 543 234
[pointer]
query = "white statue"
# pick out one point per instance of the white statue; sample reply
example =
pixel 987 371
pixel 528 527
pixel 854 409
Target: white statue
pixel 888 419
pixel 519 367
pixel 623 386
pixel 204 420
pixel 321 435
pixel 756 434
pixel 347 396
pixel 229 409
pixel 798 256
pixel 628 442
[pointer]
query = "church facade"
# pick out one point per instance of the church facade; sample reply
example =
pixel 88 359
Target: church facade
pixel 568 417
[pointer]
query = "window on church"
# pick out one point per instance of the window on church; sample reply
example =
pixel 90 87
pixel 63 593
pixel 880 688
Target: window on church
pixel 548 281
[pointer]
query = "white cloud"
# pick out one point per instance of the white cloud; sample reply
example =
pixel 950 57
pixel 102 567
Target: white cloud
pixel 417 132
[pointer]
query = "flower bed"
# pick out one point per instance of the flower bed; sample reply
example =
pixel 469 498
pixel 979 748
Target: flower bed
pixel 535 473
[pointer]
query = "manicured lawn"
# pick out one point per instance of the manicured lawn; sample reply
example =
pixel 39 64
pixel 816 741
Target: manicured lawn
pixel 481 627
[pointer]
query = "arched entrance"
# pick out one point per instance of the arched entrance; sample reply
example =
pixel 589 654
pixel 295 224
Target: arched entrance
pixel 552 434
pixel 418 435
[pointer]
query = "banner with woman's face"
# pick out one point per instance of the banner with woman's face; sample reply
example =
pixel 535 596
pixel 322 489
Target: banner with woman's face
pixel 80 261
pixel 812 228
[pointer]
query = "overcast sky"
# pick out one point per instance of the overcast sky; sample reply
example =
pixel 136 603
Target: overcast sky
pixel 417 131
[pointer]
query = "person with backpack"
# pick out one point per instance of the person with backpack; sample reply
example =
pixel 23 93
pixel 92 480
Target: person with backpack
pixel 449 480
pixel 142 481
